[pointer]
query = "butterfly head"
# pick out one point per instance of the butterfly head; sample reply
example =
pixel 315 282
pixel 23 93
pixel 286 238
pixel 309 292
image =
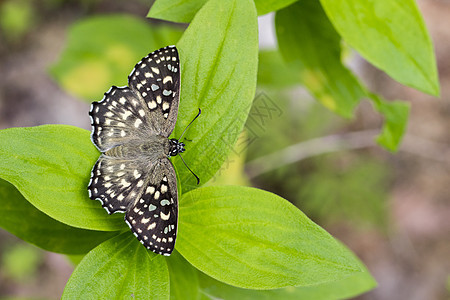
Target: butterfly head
pixel 176 147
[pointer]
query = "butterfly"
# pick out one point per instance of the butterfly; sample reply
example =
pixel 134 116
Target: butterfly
pixel 131 126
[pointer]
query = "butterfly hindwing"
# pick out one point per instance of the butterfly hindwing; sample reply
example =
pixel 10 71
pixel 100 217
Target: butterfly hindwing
pixel 153 218
pixel 117 182
pixel 156 79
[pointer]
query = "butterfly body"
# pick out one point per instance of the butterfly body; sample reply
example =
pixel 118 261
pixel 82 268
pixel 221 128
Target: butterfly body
pixel 131 126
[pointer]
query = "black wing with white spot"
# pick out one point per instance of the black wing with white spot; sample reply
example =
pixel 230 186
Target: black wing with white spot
pixel 153 219
pixel 117 182
pixel 119 118
pixel 156 80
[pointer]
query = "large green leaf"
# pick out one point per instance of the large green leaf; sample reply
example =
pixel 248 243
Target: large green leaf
pixel 119 268
pixel 184 10
pixel 50 166
pixel 254 239
pixel 345 288
pixel 102 50
pixel 390 34
pixel 22 219
pixel 309 43
pixel 219 59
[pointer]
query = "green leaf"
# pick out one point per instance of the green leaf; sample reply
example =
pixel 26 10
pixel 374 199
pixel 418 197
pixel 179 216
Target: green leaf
pixel 345 288
pixel 266 6
pixel 396 114
pixel 219 60
pixel 183 11
pixel 391 35
pixel 309 43
pixel 183 278
pixel 22 219
pixel 50 165
pixel 254 239
pixel 101 51
pixel 120 268
pixel 274 72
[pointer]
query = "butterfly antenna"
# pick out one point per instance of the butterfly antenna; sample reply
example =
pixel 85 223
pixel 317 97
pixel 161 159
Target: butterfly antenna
pixel 198 179
pixel 199 112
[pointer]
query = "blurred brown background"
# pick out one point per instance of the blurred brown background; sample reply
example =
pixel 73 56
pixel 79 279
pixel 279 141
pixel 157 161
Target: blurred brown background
pixel 409 254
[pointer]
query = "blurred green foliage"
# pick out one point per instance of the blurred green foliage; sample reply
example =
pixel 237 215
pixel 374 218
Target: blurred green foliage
pixel 16 19
pixel 21 261
pixel 101 50
pixel 345 187
pixel 350 186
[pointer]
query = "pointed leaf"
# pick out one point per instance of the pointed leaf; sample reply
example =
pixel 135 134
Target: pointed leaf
pixel 266 6
pixel 309 43
pixel 119 268
pixel 219 59
pixel 50 165
pixel 396 114
pixel 254 239
pixel 183 11
pixel 390 34
pixel 23 220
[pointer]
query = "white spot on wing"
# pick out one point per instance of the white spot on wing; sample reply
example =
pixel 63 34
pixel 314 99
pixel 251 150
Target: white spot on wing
pixel 137 123
pixel 150 190
pixel 167 79
pixel 155 70
pixel 165 217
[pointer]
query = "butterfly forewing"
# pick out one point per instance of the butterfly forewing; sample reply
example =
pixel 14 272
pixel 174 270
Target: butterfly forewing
pixel 156 79
pixel 119 119
pixel 130 126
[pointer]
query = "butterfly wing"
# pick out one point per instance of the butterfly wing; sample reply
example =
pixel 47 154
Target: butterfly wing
pixel 156 81
pixel 119 118
pixel 148 107
pixel 148 197
pixel 116 182
pixel 153 218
